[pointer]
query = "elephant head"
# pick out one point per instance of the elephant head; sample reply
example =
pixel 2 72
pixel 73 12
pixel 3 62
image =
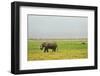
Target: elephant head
pixel 42 45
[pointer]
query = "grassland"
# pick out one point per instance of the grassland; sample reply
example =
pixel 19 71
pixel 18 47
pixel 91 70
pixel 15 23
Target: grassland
pixel 67 49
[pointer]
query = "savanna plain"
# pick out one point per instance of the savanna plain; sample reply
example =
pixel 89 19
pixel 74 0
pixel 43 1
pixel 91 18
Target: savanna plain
pixel 67 49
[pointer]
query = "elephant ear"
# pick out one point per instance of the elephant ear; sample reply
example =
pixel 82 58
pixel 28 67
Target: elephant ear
pixel 41 46
pixel 46 43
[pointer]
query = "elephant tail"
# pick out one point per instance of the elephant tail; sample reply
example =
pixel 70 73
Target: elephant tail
pixel 57 48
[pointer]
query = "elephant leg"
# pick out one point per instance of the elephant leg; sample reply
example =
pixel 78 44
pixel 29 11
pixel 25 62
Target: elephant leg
pixel 45 50
pixel 54 50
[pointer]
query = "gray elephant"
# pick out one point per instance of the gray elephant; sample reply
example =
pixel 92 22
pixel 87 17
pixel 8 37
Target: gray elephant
pixel 47 45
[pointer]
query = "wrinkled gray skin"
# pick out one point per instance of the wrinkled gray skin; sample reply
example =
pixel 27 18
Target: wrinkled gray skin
pixel 46 46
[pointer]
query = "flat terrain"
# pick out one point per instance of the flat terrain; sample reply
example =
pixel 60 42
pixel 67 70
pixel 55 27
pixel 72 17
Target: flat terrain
pixel 67 49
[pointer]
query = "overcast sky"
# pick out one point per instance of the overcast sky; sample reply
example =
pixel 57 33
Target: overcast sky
pixel 61 27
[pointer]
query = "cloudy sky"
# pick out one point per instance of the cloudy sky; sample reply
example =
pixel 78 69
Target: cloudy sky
pixel 57 27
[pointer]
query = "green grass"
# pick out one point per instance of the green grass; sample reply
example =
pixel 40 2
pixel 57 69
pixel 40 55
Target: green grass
pixel 67 49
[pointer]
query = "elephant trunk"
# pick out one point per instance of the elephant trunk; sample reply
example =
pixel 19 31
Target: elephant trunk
pixel 41 47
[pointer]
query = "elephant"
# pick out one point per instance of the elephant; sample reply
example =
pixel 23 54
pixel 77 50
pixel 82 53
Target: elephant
pixel 83 43
pixel 47 45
